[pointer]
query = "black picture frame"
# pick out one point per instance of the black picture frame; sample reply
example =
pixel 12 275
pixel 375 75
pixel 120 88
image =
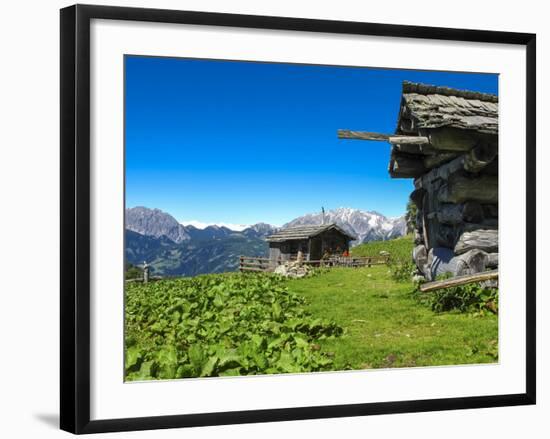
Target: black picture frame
pixel 75 217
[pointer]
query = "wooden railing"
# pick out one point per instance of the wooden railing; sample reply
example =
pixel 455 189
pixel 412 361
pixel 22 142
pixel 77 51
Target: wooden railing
pixel 252 263
pixel 459 280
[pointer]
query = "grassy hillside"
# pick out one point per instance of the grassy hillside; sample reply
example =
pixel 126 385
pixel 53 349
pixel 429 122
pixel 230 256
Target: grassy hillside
pixel 385 327
pixel 338 319
pixel 400 249
pixel 191 258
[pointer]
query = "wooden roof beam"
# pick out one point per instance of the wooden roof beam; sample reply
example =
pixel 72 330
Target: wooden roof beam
pixel 394 139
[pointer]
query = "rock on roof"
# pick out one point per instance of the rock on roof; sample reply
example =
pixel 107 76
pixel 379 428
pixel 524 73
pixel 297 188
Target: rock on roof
pixel 305 232
pixel 429 106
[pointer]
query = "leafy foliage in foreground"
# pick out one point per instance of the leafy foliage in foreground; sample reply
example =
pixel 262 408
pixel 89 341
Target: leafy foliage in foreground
pixel 216 325
pixel 473 298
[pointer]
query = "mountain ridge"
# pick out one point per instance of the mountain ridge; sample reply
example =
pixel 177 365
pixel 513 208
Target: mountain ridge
pixel 171 248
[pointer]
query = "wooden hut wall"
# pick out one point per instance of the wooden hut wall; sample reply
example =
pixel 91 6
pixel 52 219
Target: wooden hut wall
pixel 286 250
pixel 447 140
pixel 334 241
pixel 274 251
pixel 312 248
pixel 315 248
pixel 457 205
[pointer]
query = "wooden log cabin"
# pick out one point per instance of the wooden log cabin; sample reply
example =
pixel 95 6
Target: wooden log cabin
pixel 446 140
pixel 313 241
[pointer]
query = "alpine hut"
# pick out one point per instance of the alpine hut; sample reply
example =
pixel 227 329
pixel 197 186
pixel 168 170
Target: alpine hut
pixel 312 240
pixel 446 140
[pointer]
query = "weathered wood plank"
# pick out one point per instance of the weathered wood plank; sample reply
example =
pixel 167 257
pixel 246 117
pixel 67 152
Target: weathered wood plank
pixel 420 258
pixel 492 260
pixel 471 262
pixel 381 137
pixel 450 214
pixel 480 157
pixel 407 140
pixel 442 172
pixel 405 166
pixel 453 139
pixel 486 240
pixel 459 280
pixel 363 135
pixel 423 150
pixel 431 161
pixel 460 188
pixel 473 212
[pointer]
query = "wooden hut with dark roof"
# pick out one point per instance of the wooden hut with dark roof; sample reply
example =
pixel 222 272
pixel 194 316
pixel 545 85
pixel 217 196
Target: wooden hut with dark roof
pixel 447 141
pixel 311 240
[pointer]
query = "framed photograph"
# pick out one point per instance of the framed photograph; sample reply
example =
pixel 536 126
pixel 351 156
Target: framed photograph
pixel 268 218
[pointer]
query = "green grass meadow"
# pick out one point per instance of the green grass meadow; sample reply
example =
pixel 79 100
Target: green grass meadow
pixel 337 319
pixel 400 249
pixel 384 326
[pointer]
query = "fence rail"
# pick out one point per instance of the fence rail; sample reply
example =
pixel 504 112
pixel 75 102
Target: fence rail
pixel 252 263
pixel 459 280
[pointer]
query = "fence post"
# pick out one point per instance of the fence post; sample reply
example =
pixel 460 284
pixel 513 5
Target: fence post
pixel 145 272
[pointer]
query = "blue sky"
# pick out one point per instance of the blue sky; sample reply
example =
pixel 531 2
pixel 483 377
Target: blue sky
pixel 240 142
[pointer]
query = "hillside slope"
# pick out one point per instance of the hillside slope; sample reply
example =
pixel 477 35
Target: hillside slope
pixel 400 249
pixel 385 327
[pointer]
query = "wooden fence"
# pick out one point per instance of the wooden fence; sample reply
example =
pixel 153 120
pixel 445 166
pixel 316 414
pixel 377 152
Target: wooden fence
pixel 252 263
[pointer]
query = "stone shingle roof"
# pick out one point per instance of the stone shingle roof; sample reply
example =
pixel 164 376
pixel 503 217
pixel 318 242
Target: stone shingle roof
pixel 305 232
pixel 429 106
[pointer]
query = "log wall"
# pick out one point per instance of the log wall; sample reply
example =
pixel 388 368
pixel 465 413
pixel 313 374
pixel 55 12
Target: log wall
pixel 457 202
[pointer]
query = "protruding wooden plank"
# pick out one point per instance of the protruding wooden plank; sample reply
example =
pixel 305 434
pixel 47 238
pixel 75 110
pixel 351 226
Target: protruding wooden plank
pixel 381 137
pixel 363 135
pixel 459 280
pixel 408 140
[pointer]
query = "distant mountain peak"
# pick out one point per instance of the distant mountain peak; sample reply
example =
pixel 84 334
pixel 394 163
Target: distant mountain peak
pixel 260 230
pixel 366 225
pixel 156 223
pixel 173 248
pixel 202 225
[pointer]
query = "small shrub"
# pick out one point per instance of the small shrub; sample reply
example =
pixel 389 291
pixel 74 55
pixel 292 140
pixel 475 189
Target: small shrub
pixel 473 298
pixel 133 272
pixel 401 271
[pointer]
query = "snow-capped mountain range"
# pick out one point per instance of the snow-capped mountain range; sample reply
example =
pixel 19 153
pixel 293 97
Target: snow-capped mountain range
pixel 172 248
pixel 367 226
